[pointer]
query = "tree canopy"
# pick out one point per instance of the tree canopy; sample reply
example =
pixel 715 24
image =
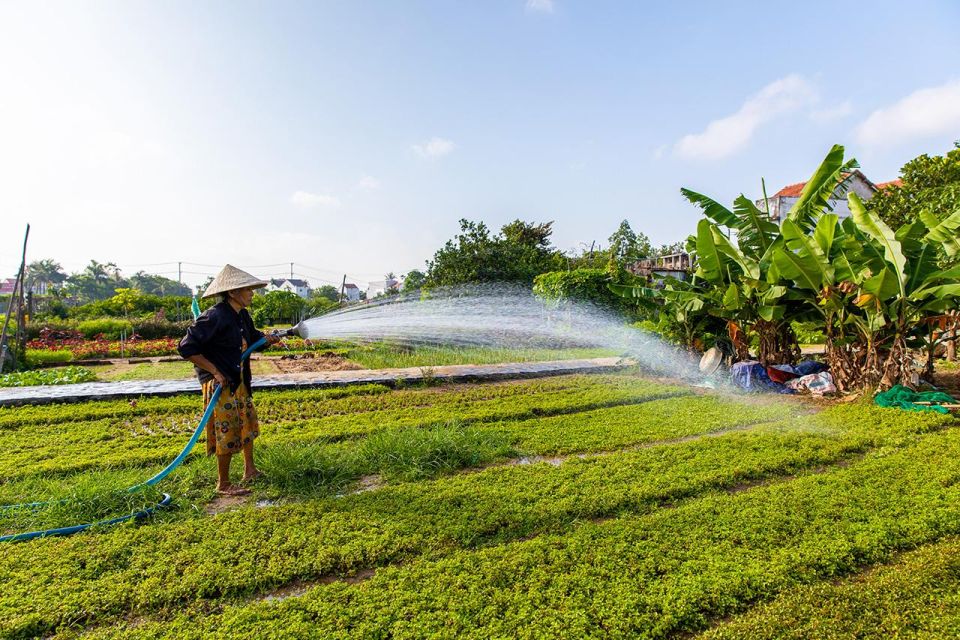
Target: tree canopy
pixel 519 253
pixel 930 184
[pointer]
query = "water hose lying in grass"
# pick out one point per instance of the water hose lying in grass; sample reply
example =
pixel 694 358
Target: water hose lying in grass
pixel 66 531
pixel 176 462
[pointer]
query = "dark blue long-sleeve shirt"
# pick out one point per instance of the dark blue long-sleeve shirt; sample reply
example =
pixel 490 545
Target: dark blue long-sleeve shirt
pixel 217 335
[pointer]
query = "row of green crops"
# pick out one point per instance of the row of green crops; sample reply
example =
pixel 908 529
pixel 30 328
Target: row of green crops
pixel 63 375
pixel 873 291
pixel 649 571
pixel 302 404
pixel 59 448
pixel 918 595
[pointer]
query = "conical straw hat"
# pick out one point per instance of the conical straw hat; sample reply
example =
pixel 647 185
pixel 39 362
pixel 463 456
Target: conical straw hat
pixel 231 278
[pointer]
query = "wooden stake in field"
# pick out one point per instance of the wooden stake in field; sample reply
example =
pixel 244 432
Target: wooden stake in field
pixel 17 287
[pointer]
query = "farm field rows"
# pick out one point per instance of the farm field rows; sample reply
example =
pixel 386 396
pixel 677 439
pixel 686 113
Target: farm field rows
pixel 577 506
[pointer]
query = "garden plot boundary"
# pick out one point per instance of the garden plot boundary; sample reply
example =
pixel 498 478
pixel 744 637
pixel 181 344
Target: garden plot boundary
pixel 19 396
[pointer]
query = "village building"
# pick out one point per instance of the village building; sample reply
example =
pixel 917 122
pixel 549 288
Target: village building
pixel 351 292
pixel 674 265
pixel 293 285
pixel 7 285
pixel 782 201
pixel 380 287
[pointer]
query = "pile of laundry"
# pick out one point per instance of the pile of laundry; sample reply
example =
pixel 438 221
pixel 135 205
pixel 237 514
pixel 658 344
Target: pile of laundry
pixel 809 376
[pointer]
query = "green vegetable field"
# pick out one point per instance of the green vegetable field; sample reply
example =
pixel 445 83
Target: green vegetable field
pixel 607 506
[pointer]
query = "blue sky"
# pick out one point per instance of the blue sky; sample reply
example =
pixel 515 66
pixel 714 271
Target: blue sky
pixel 349 137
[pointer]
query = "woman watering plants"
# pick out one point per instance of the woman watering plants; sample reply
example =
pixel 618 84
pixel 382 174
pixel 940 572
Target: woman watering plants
pixel 214 344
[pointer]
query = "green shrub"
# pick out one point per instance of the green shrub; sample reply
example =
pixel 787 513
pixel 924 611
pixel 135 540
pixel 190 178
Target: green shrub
pixel 809 332
pixel 580 284
pixel 109 327
pixel 153 328
pixel 38 357
pixel 415 453
pixel 64 375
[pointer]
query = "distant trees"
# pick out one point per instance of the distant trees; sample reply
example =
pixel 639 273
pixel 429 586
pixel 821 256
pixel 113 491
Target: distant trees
pixel 158 285
pixel 413 281
pixel 929 184
pixel 519 253
pixel 327 291
pixel 627 246
pixel 46 272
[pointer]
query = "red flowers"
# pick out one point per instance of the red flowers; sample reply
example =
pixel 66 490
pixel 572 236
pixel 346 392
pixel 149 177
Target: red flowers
pixel 101 347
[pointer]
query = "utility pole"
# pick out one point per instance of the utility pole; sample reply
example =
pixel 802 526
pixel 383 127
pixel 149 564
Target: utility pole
pixel 342 286
pixel 180 272
pixel 291 271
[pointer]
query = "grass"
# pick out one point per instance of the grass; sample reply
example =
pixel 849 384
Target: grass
pixel 385 356
pixel 373 356
pixel 671 513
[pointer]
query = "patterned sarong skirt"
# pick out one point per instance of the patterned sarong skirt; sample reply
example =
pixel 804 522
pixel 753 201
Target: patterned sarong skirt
pixel 234 420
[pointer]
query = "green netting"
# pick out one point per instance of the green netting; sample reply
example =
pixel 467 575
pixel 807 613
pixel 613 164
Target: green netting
pixel 903 398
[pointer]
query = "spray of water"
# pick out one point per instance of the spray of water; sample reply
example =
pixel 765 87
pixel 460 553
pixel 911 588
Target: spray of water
pixel 504 317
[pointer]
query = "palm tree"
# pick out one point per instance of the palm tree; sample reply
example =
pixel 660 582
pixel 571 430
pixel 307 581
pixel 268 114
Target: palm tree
pixel 44 272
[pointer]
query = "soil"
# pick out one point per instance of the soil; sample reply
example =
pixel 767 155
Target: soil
pixel 221 504
pixel 949 381
pixel 308 362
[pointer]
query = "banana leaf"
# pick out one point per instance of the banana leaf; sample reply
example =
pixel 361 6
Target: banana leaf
pixel 874 227
pixel 750 267
pixel 711 208
pixel 921 254
pixel 820 187
pixel 755 229
pixel 710 261
pixel 825 232
pixel 938 291
pixel 946 232
pixel 771 313
pixel 883 285
pixel 802 260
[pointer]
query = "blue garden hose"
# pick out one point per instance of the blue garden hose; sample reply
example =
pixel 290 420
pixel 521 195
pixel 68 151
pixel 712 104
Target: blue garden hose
pixel 64 531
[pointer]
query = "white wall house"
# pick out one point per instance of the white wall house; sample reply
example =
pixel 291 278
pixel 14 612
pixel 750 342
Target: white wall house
pixel 351 292
pixel 380 287
pixel 293 285
pixel 782 201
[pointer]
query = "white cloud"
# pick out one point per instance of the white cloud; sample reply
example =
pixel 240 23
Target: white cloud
pixel 543 6
pixel 368 183
pixel 307 200
pixel 829 114
pixel 925 112
pixel 728 135
pixel 435 147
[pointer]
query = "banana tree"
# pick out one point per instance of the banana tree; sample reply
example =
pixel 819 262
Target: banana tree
pixel 906 284
pixel 755 294
pixel 872 287
pixel 683 309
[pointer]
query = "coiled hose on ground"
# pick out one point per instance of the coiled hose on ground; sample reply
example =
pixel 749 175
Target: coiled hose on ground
pixel 65 531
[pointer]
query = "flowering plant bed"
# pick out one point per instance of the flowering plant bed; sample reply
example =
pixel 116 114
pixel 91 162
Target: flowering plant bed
pixel 100 347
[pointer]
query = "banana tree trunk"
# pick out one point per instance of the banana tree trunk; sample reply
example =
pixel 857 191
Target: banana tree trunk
pixel 741 346
pixel 778 343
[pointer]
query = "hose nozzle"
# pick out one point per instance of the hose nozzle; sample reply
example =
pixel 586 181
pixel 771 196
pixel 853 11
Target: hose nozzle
pixel 292 332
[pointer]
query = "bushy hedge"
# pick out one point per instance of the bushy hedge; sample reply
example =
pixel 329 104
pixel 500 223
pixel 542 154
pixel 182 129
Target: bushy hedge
pixel 150 329
pixel 579 284
pixel 136 305
pixel 109 327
